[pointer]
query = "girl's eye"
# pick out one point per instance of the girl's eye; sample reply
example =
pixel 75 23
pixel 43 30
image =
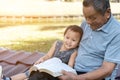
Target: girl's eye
pixel 67 37
pixel 73 40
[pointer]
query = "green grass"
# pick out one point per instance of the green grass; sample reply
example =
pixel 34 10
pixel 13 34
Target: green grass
pixel 32 37
pixel 41 45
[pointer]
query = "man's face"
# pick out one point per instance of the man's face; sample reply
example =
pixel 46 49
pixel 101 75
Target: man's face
pixel 93 18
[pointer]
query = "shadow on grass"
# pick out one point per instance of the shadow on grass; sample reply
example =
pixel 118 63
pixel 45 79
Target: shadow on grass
pixel 37 43
pixel 47 28
pixel 42 45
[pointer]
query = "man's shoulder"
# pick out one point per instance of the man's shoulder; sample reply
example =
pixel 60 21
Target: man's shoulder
pixel 114 22
pixel 114 25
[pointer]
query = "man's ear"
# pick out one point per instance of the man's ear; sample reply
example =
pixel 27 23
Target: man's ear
pixel 108 13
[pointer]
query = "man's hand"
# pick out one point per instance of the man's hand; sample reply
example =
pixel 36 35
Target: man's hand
pixel 68 76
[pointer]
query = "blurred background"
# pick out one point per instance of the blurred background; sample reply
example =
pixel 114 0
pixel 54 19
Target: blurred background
pixel 33 25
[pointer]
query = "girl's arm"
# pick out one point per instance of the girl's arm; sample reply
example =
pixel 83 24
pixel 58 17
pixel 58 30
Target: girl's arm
pixel 72 59
pixel 48 55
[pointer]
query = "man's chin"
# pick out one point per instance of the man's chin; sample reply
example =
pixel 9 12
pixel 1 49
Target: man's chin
pixel 93 27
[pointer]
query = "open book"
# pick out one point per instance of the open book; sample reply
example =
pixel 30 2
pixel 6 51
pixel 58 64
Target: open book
pixel 52 66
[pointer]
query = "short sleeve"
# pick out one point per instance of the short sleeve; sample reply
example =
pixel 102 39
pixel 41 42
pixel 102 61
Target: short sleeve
pixel 113 50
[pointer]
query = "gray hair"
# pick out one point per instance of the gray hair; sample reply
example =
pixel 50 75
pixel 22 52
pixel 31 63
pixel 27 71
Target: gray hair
pixel 99 5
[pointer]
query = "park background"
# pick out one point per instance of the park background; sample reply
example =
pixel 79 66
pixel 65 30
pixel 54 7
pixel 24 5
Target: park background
pixel 33 25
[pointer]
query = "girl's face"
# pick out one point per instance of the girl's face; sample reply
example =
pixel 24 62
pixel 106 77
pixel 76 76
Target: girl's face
pixel 71 39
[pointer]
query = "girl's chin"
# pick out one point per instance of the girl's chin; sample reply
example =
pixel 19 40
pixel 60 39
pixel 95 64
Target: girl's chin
pixel 68 48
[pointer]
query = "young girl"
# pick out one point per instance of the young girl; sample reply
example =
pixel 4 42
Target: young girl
pixel 66 50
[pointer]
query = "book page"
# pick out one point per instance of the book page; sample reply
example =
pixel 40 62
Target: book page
pixel 54 66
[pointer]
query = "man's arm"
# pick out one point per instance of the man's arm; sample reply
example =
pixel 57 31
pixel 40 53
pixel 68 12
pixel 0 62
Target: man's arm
pixel 104 71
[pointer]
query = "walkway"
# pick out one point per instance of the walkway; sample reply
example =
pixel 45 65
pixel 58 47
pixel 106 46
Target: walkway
pixel 14 62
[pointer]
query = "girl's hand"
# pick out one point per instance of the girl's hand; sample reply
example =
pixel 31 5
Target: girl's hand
pixel 39 61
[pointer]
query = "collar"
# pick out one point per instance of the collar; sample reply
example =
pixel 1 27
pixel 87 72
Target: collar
pixel 105 28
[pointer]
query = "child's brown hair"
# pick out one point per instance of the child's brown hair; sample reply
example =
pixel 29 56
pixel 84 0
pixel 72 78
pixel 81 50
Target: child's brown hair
pixel 75 28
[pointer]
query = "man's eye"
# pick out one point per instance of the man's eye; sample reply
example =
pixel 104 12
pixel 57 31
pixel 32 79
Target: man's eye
pixel 93 18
